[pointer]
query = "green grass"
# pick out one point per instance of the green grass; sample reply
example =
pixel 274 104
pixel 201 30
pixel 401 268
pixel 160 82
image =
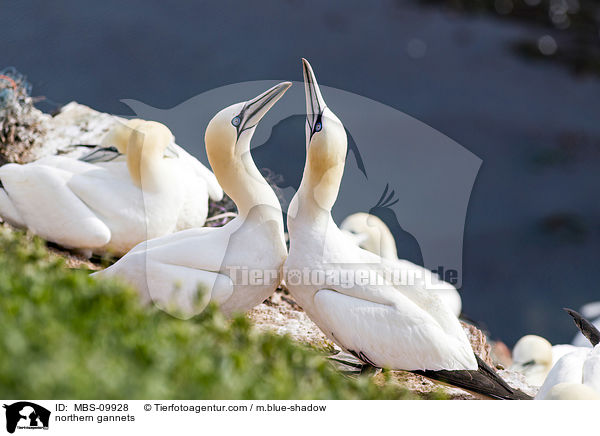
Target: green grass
pixel 64 335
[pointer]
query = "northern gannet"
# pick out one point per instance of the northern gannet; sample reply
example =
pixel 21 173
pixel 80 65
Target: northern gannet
pixel 534 357
pixel 580 367
pixel 112 205
pixel 384 324
pixel 236 266
pixel 370 232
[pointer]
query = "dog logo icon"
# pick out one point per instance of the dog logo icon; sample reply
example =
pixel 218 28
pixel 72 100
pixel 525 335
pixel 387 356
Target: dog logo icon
pixel 26 415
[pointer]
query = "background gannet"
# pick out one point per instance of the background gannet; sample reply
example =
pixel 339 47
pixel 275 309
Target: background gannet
pixel 532 357
pixel 382 324
pixel 184 271
pixel 114 205
pixel 590 311
pixel 580 367
pixel 371 233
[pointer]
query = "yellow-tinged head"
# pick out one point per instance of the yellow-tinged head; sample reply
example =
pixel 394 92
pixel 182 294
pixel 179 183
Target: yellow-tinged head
pixel 326 144
pixel 119 135
pixel 145 150
pixel 229 132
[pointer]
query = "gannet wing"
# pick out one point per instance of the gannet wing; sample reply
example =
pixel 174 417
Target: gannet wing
pixel 568 369
pixel 174 273
pixel 591 369
pixel 101 154
pixel 373 331
pixel 215 192
pixel 108 191
pixel 185 292
pixel 50 209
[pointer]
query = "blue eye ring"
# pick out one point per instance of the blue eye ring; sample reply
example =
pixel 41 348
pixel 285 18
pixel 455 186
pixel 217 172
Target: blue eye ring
pixel 318 126
pixel 236 121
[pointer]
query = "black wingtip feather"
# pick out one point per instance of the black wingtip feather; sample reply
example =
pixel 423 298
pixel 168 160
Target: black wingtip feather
pixel 484 381
pixel 587 328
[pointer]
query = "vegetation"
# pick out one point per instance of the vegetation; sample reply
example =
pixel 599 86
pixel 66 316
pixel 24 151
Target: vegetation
pixel 65 335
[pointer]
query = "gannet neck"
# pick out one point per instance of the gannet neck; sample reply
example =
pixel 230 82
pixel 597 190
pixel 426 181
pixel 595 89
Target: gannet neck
pixel 227 139
pixel 144 155
pixel 242 181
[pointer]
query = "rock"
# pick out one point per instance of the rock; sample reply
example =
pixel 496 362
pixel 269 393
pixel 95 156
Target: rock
pixel 282 315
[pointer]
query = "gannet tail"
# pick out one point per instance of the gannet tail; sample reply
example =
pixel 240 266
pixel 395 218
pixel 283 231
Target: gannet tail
pixel 587 328
pixel 484 381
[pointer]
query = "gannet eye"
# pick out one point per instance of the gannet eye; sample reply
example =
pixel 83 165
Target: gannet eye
pixel 318 127
pixel 236 121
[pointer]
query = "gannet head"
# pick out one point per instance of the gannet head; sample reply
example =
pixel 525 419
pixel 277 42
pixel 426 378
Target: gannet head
pixel 146 146
pixel 326 143
pixel 532 357
pixel 227 140
pixel 235 125
pixel 370 232
pixel 119 135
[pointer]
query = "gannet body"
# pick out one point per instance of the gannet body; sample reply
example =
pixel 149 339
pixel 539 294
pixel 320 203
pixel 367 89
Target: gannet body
pixel 580 367
pixel 185 271
pixel 112 205
pixel 370 233
pixel 383 324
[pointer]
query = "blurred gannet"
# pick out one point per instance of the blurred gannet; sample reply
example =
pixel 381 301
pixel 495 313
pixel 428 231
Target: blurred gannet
pixel 589 311
pixel 370 233
pixel 532 357
pixel 184 271
pixel 385 325
pixel 109 206
pixel 580 367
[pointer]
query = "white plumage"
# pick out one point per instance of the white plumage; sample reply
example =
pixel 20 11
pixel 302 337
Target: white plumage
pixel 580 367
pixel 184 271
pixel 110 206
pixel 370 232
pixel 385 324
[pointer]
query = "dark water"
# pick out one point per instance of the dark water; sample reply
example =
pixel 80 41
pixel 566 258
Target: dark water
pixel 532 234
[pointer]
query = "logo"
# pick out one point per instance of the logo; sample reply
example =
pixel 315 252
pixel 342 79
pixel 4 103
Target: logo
pixel 26 415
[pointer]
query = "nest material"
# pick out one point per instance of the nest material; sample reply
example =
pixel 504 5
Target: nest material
pixel 21 126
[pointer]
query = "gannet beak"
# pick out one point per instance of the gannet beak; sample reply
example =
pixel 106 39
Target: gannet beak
pixel 315 105
pixel 256 108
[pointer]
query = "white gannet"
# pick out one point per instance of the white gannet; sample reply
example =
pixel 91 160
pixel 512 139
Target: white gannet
pixel 370 232
pixel 589 311
pixel 383 324
pixel 236 266
pixel 580 367
pixel 112 205
pixel 532 357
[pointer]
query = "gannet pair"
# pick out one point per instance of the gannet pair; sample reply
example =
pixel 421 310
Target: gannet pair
pixel 370 232
pixel 576 375
pixel 236 266
pixel 98 206
pixel 385 325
